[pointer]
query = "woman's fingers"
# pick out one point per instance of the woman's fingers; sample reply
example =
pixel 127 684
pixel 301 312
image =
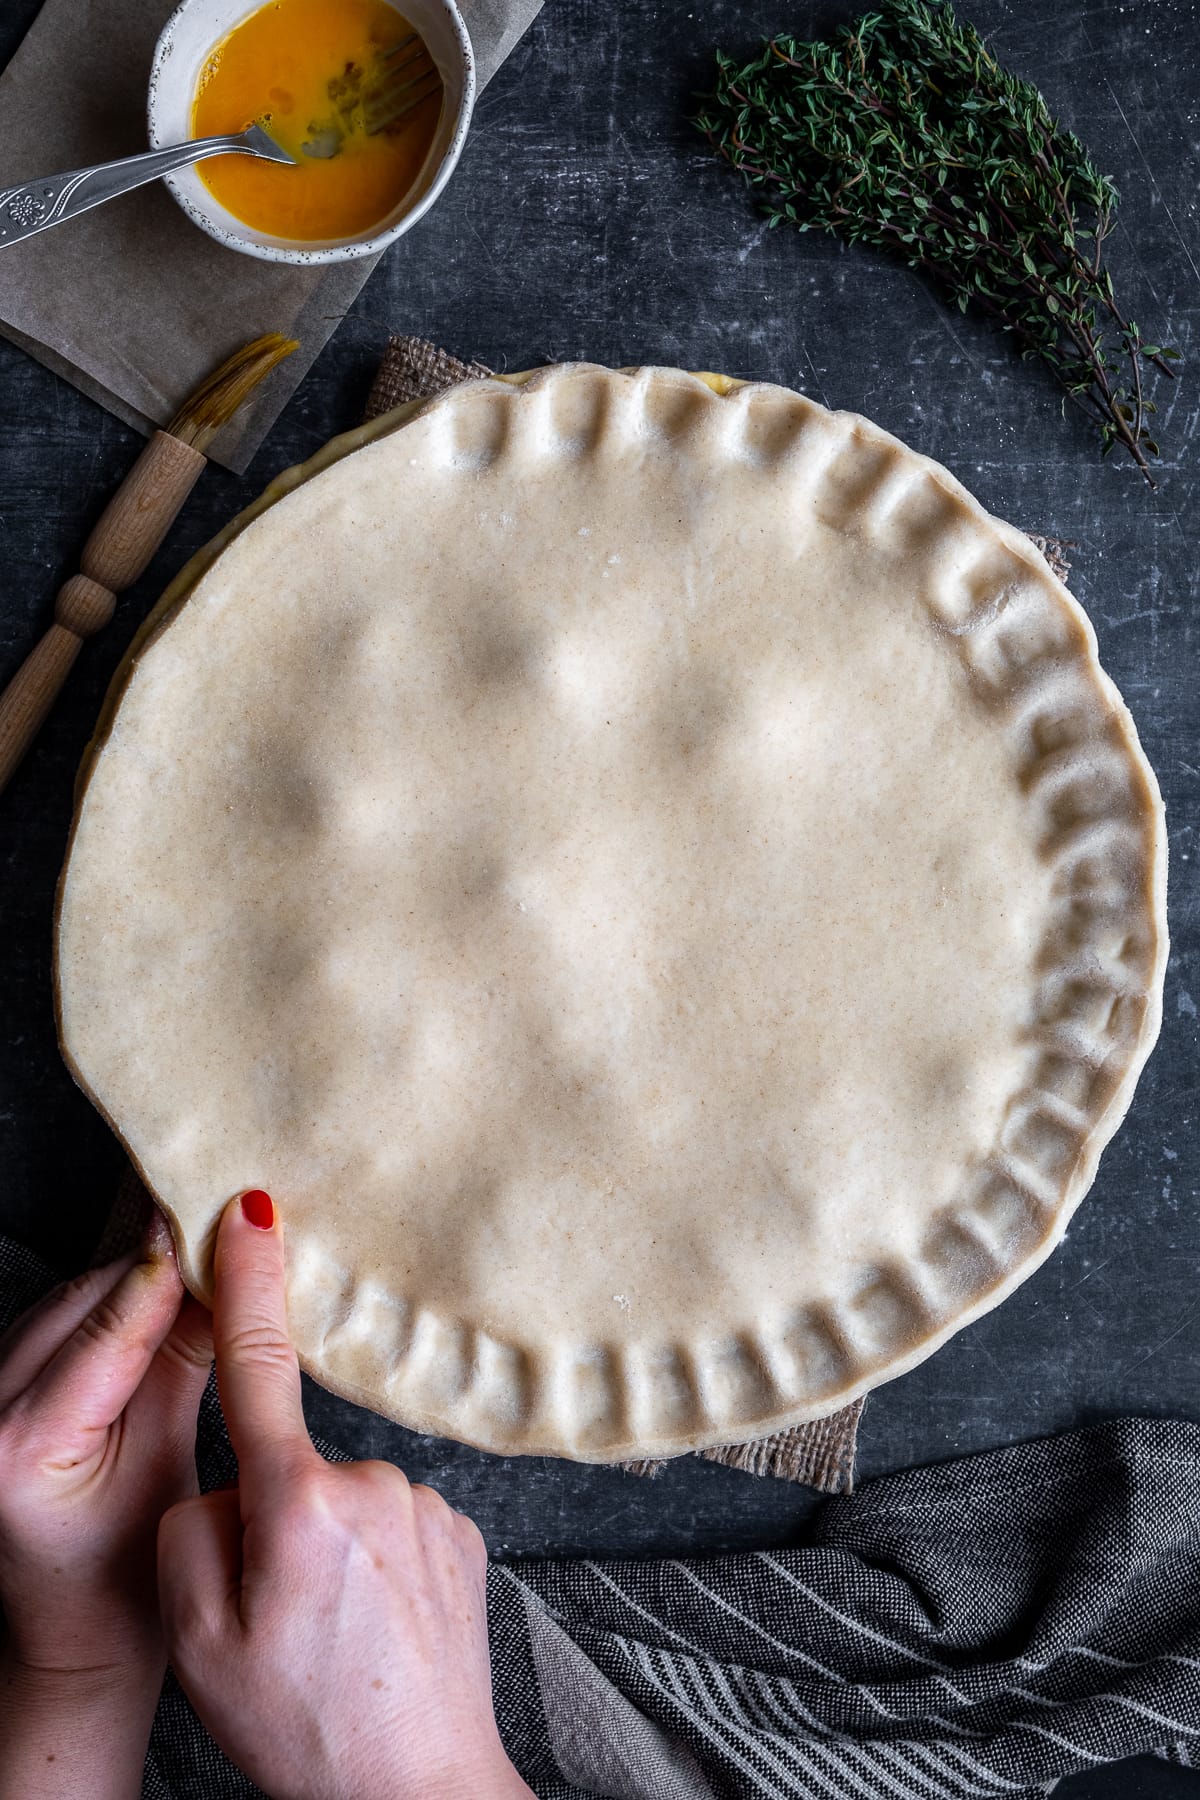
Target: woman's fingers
pixel 37 1335
pixel 199 1569
pixel 166 1403
pixel 89 1381
pixel 257 1371
pixel 189 1343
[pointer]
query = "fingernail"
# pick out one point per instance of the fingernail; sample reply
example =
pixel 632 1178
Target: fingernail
pixel 258 1209
pixel 157 1243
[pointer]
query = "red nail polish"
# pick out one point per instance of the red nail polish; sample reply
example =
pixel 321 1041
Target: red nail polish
pixel 258 1209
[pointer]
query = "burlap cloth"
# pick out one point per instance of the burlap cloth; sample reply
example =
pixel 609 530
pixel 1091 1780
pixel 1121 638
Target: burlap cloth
pixel 820 1454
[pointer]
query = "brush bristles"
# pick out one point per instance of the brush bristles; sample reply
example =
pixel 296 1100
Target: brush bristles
pixel 218 397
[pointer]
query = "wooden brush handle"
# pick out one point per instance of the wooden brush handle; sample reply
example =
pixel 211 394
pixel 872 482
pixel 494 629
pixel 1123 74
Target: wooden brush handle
pixel 125 537
pixel 141 512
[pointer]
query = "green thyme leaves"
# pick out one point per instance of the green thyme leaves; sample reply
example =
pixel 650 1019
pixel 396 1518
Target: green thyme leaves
pixel 904 132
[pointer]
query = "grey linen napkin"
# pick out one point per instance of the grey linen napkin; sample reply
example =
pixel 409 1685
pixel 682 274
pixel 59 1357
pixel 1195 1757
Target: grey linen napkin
pixel 132 302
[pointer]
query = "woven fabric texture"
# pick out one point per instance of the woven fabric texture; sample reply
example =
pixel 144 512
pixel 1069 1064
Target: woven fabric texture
pixel 983 1627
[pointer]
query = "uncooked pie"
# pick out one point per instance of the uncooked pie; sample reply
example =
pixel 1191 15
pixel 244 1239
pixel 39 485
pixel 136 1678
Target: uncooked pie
pixel 650 876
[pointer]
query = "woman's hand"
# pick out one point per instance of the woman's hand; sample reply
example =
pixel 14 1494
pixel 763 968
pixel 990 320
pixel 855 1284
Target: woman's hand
pixel 99 1389
pixel 327 1622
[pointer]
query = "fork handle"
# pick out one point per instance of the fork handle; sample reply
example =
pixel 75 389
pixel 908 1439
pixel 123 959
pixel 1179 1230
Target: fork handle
pixel 36 205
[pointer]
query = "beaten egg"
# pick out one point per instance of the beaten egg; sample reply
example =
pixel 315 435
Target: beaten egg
pixel 309 71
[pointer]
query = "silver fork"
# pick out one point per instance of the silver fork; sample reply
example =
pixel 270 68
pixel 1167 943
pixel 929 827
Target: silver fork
pixel 398 92
pixel 36 205
pixel 396 97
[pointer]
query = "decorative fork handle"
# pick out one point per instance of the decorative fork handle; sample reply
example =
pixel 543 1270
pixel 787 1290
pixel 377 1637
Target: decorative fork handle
pixel 36 205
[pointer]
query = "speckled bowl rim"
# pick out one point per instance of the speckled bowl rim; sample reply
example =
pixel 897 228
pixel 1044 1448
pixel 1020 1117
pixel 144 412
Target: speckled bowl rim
pixel 231 237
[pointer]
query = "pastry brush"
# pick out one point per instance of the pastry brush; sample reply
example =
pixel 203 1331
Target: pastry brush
pixel 125 537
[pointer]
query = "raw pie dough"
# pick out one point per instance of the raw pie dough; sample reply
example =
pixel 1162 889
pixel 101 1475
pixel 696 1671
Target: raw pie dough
pixel 650 876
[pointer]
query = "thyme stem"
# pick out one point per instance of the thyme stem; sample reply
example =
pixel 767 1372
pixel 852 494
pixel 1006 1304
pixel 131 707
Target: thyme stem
pixel 904 132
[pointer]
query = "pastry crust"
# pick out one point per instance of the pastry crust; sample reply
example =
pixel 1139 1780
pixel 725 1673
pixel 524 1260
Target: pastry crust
pixel 652 877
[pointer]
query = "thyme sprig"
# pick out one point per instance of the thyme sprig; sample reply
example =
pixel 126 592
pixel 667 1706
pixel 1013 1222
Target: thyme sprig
pixel 904 132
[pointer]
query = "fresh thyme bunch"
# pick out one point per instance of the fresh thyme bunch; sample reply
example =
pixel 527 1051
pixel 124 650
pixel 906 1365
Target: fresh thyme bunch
pixel 905 132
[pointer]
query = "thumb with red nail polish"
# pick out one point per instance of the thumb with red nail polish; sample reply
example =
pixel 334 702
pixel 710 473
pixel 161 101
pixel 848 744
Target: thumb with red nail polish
pixel 258 1209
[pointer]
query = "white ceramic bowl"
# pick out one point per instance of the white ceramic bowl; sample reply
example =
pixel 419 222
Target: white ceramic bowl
pixel 196 26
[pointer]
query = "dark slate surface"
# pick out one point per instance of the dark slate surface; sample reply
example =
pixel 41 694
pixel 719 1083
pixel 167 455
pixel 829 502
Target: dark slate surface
pixel 585 222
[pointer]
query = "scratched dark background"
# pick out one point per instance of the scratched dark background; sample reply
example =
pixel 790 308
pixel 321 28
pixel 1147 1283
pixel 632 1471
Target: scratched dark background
pixel 586 222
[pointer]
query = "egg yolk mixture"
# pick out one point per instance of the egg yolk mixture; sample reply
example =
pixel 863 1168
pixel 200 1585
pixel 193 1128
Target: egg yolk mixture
pixel 303 68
